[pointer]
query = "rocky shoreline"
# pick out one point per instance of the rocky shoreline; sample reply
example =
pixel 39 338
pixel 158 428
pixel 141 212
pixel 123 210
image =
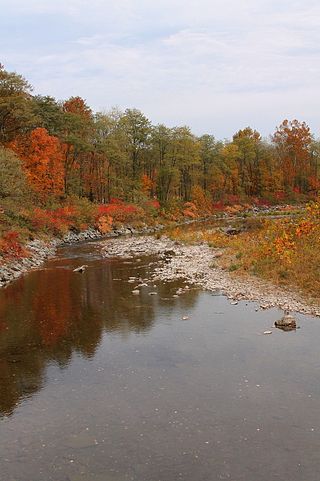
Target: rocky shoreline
pixel 40 251
pixel 198 265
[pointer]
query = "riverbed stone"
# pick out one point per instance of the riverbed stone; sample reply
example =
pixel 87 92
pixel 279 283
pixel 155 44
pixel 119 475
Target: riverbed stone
pixel 286 323
pixel 192 264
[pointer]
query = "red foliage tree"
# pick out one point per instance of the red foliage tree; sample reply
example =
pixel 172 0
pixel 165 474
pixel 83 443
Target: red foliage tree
pixel 76 105
pixel 42 158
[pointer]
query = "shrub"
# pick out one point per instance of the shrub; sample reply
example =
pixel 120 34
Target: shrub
pixel 121 212
pixel 11 247
pixel 57 221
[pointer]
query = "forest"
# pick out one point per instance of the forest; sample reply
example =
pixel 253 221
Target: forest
pixel 64 166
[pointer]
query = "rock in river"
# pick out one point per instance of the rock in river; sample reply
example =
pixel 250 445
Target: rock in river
pixel 286 323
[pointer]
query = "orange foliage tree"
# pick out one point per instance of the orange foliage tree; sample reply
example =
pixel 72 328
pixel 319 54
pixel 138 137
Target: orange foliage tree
pixel 292 140
pixel 42 159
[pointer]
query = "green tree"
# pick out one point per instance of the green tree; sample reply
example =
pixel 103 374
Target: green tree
pixel 12 177
pixel 185 153
pixel 137 129
pixel 16 108
pixel 209 151
pixel 161 142
pixel 50 114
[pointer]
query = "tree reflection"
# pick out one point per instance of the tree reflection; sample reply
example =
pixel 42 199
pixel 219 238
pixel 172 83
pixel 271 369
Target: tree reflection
pixel 52 313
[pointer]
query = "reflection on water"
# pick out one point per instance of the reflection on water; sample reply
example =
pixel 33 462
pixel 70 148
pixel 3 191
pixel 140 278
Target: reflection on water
pixel 97 384
pixel 52 313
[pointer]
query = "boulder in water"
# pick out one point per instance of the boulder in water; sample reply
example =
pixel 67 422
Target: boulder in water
pixel 286 323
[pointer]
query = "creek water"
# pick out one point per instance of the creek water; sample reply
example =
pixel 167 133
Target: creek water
pixel 97 384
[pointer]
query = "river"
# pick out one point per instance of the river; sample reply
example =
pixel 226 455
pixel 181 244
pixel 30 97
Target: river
pixel 97 384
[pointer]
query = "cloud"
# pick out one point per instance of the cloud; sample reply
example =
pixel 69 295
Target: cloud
pixel 209 64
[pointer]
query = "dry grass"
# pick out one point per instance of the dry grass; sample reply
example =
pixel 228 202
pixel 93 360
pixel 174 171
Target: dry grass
pixel 284 251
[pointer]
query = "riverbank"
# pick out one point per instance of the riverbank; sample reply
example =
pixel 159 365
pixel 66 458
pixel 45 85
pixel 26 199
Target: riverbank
pixel 38 251
pixel 17 257
pixel 198 266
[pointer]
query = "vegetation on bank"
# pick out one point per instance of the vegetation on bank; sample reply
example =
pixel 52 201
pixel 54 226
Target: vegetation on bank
pixel 285 250
pixel 64 167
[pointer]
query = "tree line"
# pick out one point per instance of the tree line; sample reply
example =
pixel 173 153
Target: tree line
pixel 63 148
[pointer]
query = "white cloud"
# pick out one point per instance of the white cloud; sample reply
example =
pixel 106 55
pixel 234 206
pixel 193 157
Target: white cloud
pixel 210 64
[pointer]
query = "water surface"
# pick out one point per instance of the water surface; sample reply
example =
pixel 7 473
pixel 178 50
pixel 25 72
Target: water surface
pixel 97 384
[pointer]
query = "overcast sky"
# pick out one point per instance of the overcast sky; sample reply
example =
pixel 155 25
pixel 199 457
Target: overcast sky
pixel 215 65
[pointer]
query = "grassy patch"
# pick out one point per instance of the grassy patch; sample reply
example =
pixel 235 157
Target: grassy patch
pixel 285 251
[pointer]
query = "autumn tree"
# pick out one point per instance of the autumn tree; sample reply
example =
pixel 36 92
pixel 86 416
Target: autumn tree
pixel 226 172
pixel 42 159
pixel 292 140
pixel 249 160
pixel 78 129
pixel 314 178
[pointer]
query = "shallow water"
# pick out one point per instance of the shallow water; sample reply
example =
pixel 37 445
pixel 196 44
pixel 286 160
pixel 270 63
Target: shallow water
pixel 97 384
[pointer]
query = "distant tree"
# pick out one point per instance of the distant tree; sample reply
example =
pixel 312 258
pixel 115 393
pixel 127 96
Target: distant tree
pixel 249 160
pixel 42 159
pixel 110 141
pixel 186 151
pixel 137 129
pixel 16 109
pixel 292 140
pixel 78 106
pixel 161 149
pixel 77 139
pixel 314 178
pixel 208 154
pixel 50 114
pixel 12 177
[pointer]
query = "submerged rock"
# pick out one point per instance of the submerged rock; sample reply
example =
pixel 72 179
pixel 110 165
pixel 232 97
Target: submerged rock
pixel 80 269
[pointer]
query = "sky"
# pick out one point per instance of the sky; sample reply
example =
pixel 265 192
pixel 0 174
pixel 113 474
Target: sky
pixel 214 65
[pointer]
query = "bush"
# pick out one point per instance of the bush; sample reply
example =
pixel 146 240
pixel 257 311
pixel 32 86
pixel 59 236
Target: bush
pixel 57 221
pixel 11 247
pixel 121 212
